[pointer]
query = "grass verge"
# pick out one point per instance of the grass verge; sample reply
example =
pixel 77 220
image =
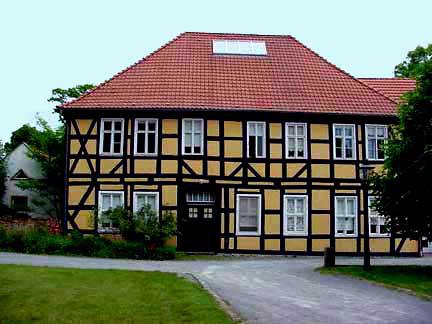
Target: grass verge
pixel 413 279
pixel 54 295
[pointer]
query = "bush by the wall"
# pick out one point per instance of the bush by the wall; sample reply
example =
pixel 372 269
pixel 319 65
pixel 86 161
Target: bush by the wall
pixel 39 241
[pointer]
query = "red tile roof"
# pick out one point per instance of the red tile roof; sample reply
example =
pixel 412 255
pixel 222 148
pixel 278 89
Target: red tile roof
pixel 391 87
pixel 185 74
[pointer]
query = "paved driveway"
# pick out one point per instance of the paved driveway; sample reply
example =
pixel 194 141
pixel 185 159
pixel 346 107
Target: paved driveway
pixel 279 290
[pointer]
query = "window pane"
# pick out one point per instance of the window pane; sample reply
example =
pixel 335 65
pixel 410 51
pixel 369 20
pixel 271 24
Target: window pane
pixel 107 125
pixel 260 129
pixel 188 125
pixel 300 147
pixel 348 131
pixel 252 146
pixel 350 207
pixel 188 139
pixel 140 143
pixel 340 206
pixel 338 131
pixel 260 146
pixel 106 142
pixel 106 202
pixel 371 131
pixel 152 126
pixel 290 206
pixel 300 130
pixel 151 145
pixel 116 200
pixel 197 139
pixel 380 131
pixel 372 149
pixel 117 137
pixel 140 126
pixel 291 130
pixel 117 148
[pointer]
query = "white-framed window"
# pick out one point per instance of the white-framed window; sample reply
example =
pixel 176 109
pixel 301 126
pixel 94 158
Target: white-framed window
pixel 146 136
pixel 108 200
pixel 111 136
pixel 144 198
pixel 193 136
pixel 296 140
pixel 256 139
pixel 344 141
pixel 239 47
pixel 377 222
pixel 346 215
pixel 248 214
pixel 376 136
pixel 295 215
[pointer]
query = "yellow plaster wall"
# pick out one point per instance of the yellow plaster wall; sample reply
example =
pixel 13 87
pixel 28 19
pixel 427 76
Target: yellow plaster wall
pixel 107 165
pixel 233 148
pixel 195 165
pixel 295 245
pixel 83 126
pixel 272 245
pixel 272 199
pixel 319 131
pixel 85 219
pixel 272 224
pixel 346 245
pixel 345 171
pixel 293 168
pixel 379 245
pixel 145 166
pixel 169 126
pixel 320 224
pixel 275 130
pixel 275 151
pixel 213 148
pixel 321 199
pixel 318 245
pixel 248 243
pixel 169 166
pixel 213 128
pixel 233 129
pixel 320 151
pixel 259 168
pixel 409 246
pixel 82 166
pixel 169 195
pixel 213 168
pixel 169 146
pixel 276 170
pixel 75 194
pixel 230 167
pixel 320 171
pixel 231 223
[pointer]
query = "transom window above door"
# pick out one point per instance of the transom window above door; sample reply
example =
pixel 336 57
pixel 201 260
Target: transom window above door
pixel 199 197
pixel 111 136
pixel 193 136
pixel 344 141
pixel 256 139
pixel 376 136
pixel 295 140
pixel 146 136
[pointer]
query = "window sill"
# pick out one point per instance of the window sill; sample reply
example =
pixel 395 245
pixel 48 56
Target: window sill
pixel 346 235
pixel 379 235
pixel 145 154
pixel 248 234
pixel 300 234
pixel 108 231
pixel 111 154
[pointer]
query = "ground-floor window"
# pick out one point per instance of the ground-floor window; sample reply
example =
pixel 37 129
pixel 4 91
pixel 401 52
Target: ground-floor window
pixel 19 203
pixel 108 200
pixel 146 201
pixel 346 215
pixel 295 215
pixel 377 225
pixel 248 214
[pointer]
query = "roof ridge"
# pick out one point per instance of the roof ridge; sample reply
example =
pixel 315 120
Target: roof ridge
pixel 121 72
pixel 341 70
pixel 387 78
pixel 236 34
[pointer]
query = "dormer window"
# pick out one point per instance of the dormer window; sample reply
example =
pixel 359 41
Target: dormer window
pixel 239 47
pixel 20 175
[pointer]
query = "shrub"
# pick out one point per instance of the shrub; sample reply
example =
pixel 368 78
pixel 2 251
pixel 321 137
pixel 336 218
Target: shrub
pixel 40 241
pixel 144 225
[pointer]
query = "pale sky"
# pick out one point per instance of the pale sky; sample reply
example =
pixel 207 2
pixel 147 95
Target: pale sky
pixel 48 44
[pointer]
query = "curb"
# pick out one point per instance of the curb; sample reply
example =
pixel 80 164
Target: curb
pixel 226 307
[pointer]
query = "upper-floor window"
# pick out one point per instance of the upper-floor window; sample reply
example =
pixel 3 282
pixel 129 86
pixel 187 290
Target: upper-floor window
pixel 111 136
pixel 344 141
pixel 376 135
pixel 295 140
pixel 248 214
pixel 108 200
pixel 193 136
pixel 377 222
pixel 256 139
pixel 295 214
pixel 146 136
pixel 239 47
pixel 346 215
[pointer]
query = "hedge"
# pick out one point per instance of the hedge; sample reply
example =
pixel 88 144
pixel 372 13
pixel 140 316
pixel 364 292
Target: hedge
pixel 39 241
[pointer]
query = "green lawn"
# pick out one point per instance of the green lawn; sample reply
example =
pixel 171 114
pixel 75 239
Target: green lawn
pixel 54 295
pixel 415 279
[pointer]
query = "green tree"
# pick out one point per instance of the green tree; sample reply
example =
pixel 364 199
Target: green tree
pixel 48 149
pixel 24 134
pixel 404 188
pixel 61 96
pixel 413 65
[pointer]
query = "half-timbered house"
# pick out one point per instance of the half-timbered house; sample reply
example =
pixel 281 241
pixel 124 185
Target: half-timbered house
pixel 254 142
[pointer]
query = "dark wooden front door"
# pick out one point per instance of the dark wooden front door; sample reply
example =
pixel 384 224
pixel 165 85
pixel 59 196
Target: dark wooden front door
pixel 199 222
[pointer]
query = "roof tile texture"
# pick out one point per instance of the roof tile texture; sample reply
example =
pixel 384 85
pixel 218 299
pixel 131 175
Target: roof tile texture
pixel 185 74
pixel 391 87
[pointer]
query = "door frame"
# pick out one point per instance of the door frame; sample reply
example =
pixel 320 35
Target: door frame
pixel 182 215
